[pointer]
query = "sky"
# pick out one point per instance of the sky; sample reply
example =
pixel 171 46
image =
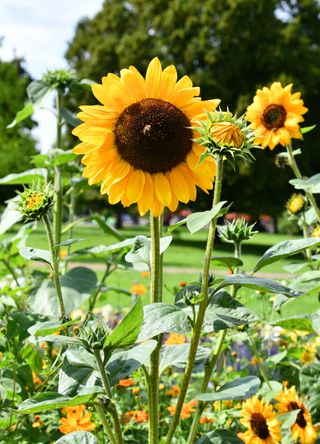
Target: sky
pixel 38 31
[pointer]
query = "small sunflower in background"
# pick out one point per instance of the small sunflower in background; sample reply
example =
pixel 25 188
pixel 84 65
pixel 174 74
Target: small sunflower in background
pixel 139 142
pixel 261 421
pixel 296 204
pixel 316 231
pixel 303 428
pixel 275 115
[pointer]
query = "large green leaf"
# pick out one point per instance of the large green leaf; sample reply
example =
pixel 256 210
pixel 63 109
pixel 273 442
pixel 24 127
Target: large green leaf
pixel 74 379
pixel 307 282
pixel 177 355
pixel 310 185
pixel 48 327
pixel 256 283
pixel 298 322
pixel 78 438
pixel 70 118
pixel 226 261
pixel 196 221
pixel 38 91
pixel 127 331
pixel 77 285
pixel 140 254
pixel 241 388
pixel 25 178
pixel 224 311
pixel 10 216
pixel 162 318
pixel 219 436
pixel 123 363
pixel 53 400
pixel 284 249
pixel 21 115
pixel 35 254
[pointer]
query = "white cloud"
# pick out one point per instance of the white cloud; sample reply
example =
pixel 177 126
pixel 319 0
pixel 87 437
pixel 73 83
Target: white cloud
pixel 38 31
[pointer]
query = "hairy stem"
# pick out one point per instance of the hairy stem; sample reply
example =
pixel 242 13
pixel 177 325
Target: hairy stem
pixel 57 209
pixel 202 307
pixel 105 423
pixel 55 268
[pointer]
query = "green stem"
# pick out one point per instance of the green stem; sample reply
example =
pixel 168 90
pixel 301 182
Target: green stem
pixel 105 423
pixel 112 408
pixel 72 204
pixel 261 367
pixel 212 361
pixel 55 268
pixel 308 253
pixel 57 209
pixel 155 296
pixel 294 166
pixel 11 270
pixel 202 307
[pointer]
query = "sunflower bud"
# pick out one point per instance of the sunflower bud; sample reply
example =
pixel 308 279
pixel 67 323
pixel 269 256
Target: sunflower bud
pixel 94 333
pixel 236 231
pixel 35 202
pixel 296 204
pixel 281 160
pixel 60 78
pixel 316 231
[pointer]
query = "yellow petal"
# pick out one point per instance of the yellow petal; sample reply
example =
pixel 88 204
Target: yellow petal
pixel 153 78
pixel 162 188
pixel 135 186
pixel 145 203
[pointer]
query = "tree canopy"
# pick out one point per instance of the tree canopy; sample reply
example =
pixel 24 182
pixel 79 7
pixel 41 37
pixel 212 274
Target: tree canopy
pixel 229 49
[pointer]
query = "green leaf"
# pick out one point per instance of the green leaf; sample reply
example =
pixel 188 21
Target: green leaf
pixel 288 419
pixel 78 438
pixel 48 327
pixel 260 284
pixel 10 216
pixel 268 394
pixel 307 129
pixel 60 339
pixel 77 285
pixel 229 261
pixel 177 355
pixel 127 331
pixel 60 157
pixel 70 118
pixel 162 318
pixel 52 400
pixel 219 436
pixel 35 254
pixel 307 282
pixel 25 178
pixel 37 91
pixel 310 185
pixel 107 228
pixel 224 312
pixel 68 242
pixel 74 379
pixel 275 359
pixel 21 115
pixel 299 322
pixel 239 389
pixel 123 363
pixel 284 249
pixel 196 221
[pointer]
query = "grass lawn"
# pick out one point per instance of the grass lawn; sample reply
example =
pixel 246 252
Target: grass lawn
pixel 182 261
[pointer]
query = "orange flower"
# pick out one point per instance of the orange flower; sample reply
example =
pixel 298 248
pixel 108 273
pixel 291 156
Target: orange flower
pixel 77 419
pixel 186 411
pixel 183 283
pixel 254 360
pixel 137 415
pixel 36 379
pixel 135 391
pixel 37 423
pixel 138 289
pixel 63 253
pixel 145 274
pixel 126 382
pixel 174 391
pixel 206 420
pixel 175 338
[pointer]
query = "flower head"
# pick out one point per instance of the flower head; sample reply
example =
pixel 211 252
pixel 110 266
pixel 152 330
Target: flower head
pixel 275 115
pixel 175 338
pixel 138 289
pixel 37 423
pixel 302 429
pixel 236 231
pixel 35 201
pixel 136 415
pixel 174 391
pixel 316 231
pixel 59 78
pixel 139 142
pixel 260 420
pixel 187 409
pixel 296 204
pixel 77 419
pixel 126 382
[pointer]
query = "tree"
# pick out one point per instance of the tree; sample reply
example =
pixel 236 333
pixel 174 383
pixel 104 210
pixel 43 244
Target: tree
pixel 230 49
pixel 17 144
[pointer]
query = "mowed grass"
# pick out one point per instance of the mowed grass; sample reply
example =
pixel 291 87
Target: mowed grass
pixel 183 260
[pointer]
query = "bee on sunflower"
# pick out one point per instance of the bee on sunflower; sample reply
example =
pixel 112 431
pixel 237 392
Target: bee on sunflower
pixel 139 142
pixel 303 428
pixel 275 115
pixel 261 421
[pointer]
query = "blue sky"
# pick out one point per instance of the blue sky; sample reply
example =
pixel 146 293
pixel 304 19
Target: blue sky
pixel 38 31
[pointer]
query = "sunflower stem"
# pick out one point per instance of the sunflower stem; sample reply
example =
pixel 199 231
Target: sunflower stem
pixel 112 408
pixel 57 209
pixel 202 307
pixel 294 166
pixel 155 296
pixel 259 361
pixel 55 268
pixel 105 424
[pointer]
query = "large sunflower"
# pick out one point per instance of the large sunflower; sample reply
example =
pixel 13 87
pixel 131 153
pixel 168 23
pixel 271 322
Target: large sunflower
pixel 275 115
pixel 139 142
pixel 303 428
pixel 261 422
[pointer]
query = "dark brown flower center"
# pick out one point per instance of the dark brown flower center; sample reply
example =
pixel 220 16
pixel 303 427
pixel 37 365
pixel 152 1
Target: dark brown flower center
pixel 300 417
pixel 153 135
pixel 259 425
pixel 274 116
